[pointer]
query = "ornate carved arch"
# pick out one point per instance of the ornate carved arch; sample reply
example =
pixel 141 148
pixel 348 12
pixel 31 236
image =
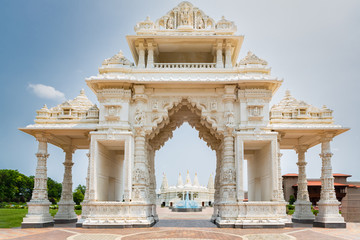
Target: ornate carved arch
pixel 178 111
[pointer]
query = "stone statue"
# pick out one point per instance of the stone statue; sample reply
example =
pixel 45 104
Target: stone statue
pixel 170 23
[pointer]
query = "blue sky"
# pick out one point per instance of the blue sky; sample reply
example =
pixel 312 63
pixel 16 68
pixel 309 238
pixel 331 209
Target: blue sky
pixel 313 45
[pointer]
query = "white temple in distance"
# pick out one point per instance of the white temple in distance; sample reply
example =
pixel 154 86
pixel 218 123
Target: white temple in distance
pixel 185 69
pixel 169 196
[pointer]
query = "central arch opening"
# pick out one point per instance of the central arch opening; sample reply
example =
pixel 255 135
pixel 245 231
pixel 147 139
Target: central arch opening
pixel 187 162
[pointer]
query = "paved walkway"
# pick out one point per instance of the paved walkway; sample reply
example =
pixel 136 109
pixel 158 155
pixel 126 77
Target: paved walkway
pixel 176 226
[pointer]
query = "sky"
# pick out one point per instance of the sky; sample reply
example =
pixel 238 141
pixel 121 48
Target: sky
pixel 48 48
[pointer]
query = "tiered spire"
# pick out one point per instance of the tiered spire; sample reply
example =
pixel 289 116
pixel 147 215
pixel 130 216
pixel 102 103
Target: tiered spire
pixel 180 181
pixel 188 179
pixel 196 181
pixel 164 184
pixel 210 184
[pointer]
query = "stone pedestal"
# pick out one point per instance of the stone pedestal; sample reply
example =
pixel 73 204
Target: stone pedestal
pixel 303 213
pixel 38 215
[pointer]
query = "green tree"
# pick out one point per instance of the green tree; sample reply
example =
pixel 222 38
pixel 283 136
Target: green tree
pixel 78 194
pixel 54 190
pixel 292 199
pixel 14 186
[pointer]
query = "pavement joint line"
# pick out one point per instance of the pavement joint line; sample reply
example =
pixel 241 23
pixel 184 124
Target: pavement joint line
pixel 132 234
pixel 69 231
pixel 300 230
pixel 329 234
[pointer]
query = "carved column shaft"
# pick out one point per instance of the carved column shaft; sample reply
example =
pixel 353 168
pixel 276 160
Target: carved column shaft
pixel 40 180
pixel 66 194
pixel 86 197
pixel 150 57
pixel 141 171
pixel 219 57
pixel 141 50
pixel 280 179
pixel 66 204
pixel 228 63
pixel 327 179
pixel 303 193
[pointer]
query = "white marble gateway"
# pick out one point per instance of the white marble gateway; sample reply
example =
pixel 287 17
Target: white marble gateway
pixel 185 69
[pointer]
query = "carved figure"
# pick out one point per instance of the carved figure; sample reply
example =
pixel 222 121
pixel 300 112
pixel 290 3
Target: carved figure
pixel 112 111
pixel 170 23
pixel 139 117
pixel 200 23
pixel 185 16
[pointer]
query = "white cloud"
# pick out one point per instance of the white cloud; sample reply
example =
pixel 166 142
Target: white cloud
pixel 47 92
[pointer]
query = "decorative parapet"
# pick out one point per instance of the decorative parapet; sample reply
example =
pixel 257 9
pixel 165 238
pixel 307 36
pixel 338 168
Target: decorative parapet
pixel 80 109
pixel 118 60
pixel 291 110
pixel 185 19
pixel 253 64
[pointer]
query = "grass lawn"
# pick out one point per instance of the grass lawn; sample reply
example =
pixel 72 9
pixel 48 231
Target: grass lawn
pixel 10 218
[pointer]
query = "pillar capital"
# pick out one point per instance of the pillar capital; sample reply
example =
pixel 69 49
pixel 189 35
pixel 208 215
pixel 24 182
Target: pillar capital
pixel 68 148
pixel 301 148
pixel 42 137
pixel 326 137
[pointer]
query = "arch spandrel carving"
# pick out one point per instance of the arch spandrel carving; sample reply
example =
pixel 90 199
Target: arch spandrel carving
pixel 167 114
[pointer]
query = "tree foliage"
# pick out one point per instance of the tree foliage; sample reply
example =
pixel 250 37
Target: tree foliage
pixel 78 194
pixel 292 199
pixel 16 187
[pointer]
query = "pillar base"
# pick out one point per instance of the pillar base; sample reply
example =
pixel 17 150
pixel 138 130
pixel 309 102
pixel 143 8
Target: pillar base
pixel 329 215
pixel 37 225
pixel 66 213
pixel 255 214
pixel 38 215
pixel 306 221
pixel 62 221
pixel 110 214
pixel 303 213
pixel 329 225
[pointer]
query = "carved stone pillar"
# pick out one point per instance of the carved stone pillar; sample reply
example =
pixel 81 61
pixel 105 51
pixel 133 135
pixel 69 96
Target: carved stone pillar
pixel 217 188
pixel 128 170
pixel 86 197
pixel 38 213
pixel 328 215
pixel 302 205
pixel 140 191
pixel 228 49
pixel 219 56
pixel 239 169
pixel 150 56
pixel 141 51
pixel 228 173
pixel 66 204
pixel 152 187
pixel 280 194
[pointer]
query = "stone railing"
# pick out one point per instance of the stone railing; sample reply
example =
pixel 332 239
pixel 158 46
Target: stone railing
pixel 184 65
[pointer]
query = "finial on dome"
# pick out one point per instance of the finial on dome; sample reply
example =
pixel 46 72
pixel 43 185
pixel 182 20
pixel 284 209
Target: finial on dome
pixel 45 106
pixel 82 92
pixel 287 93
